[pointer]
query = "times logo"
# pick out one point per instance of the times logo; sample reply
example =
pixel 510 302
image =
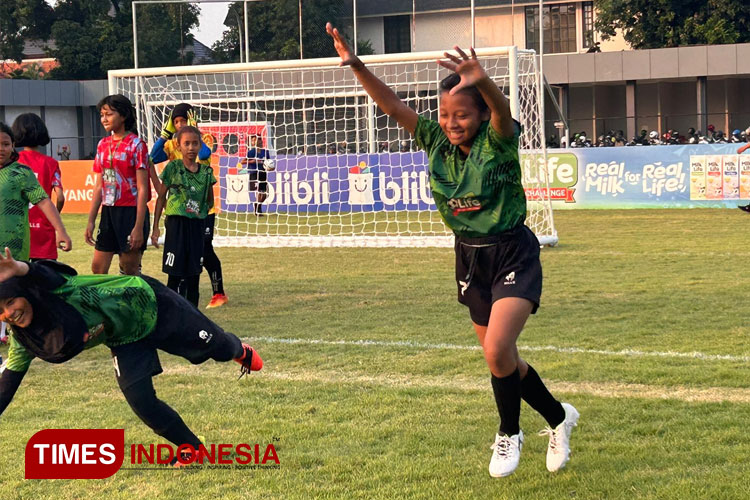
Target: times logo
pixel 74 453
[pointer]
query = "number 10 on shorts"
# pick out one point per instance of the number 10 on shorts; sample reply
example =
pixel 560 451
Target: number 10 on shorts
pixel 169 259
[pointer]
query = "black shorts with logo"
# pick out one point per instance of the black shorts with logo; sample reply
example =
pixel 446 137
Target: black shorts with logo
pixel 115 226
pixel 183 246
pixel 495 267
pixel 180 329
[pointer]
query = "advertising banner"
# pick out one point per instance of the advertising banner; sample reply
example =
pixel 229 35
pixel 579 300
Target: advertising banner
pixel 705 175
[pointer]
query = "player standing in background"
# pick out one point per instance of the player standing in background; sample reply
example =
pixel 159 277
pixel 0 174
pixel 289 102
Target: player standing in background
pixel 166 149
pixel 475 178
pixel 55 314
pixel 31 133
pixel 740 150
pixel 187 191
pixel 255 162
pixel 122 190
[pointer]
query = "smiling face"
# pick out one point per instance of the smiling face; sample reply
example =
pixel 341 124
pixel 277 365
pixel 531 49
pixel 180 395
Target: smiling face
pixel 111 119
pixel 460 119
pixel 6 148
pixel 16 311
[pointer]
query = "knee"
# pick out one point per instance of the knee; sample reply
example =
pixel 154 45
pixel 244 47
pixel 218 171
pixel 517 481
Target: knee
pixel 501 359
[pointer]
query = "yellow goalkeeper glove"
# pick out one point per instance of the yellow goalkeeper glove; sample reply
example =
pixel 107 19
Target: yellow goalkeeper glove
pixel 169 129
pixel 192 119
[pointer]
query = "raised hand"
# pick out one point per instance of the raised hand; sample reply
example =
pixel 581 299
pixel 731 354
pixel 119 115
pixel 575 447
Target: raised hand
pixel 342 48
pixel 468 68
pixel 192 119
pixel 10 267
pixel 169 129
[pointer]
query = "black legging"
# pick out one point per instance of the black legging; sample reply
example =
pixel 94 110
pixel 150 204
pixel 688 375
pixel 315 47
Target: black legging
pixel 187 286
pixel 213 267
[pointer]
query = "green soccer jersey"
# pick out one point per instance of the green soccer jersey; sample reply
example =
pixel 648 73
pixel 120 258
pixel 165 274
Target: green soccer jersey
pixel 117 310
pixel 480 194
pixel 189 193
pixel 18 189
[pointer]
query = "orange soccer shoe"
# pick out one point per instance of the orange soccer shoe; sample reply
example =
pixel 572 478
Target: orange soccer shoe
pixel 217 300
pixel 250 360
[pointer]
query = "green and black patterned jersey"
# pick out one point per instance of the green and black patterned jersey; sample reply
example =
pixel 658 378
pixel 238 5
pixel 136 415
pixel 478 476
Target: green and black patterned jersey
pixel 117 310
pixel 18 189
pixel 189 193
pixel 480 194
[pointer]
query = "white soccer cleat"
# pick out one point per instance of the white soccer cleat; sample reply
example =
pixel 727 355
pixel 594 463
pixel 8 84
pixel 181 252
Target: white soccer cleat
pixel 558 450
pixel 506 454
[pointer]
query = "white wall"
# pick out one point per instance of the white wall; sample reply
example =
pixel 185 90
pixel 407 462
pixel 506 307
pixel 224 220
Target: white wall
pixel 371 28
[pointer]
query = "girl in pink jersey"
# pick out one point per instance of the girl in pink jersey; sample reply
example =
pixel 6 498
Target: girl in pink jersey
pixel 122 190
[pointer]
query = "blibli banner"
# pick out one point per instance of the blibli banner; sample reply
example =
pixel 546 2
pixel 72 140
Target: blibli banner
pixel 332 183
pixel 705 175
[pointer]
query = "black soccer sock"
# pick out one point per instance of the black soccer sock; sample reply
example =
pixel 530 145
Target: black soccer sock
pixel 213 266
pixel 157 414
pixel 173 283
pixel 535 393
pixel 508 399
pixel 192 289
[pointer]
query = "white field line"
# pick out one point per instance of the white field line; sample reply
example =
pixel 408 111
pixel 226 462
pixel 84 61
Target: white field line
pixel 457 383
pixel 548 348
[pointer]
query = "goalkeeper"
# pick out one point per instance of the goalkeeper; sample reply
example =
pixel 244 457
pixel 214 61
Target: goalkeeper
pixel 167 149
pixel 475 177
pixel 55 314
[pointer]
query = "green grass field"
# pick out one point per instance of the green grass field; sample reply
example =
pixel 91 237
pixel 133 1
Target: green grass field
pixel 643 327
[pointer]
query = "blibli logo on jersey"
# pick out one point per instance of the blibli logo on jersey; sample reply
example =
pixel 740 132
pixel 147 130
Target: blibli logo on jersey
pixel 468 204
pixel 510 278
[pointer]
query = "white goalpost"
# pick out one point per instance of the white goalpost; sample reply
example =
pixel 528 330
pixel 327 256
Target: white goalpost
pixel 342 172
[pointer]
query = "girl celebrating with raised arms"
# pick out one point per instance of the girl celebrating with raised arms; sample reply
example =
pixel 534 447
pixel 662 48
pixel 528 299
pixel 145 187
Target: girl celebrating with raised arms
pixel 475 177
pixel 122 190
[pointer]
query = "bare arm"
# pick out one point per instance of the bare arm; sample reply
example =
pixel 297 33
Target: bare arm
pixel 96 202
pixel 53 216
pixel 136 235
pixel 59 198
pixel 472 73
pixel 381 93
pixel 158 209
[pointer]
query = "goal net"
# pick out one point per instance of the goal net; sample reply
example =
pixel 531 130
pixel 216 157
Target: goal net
pixel 342 173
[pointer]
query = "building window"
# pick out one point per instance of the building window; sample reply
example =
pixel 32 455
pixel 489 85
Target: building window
pixel 559 25
pixel 588 25
pixel 397 34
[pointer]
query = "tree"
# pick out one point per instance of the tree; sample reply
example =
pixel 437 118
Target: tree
pixel 20 20
pixel 274 30
pixel 649 24
pixel 94 36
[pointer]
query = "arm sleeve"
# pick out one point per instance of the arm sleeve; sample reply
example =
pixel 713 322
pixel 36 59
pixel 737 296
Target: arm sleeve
pixel 501 143
pixel 10 380
pixel 157 152
pixel 19 358
pixel 140 155
pixel 56 175
pixel 97 166
pixel 166 174
pixel 31 190
pixel 427 134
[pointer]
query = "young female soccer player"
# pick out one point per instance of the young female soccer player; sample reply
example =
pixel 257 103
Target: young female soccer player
pixel 18 189
pixel 166 149
pixel 55 314
pixel 31 134
pixel 122 190
pixel 475 178
pixel 191 195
